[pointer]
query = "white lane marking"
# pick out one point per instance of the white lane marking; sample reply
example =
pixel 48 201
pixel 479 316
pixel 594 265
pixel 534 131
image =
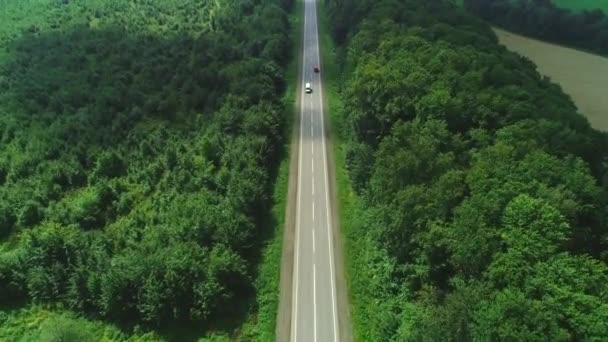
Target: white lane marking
pixel 312 125
pixel 312 163
pixel 314 296
pixel 313 210
pixel 313 185
pixel 329 230
pixel 294 316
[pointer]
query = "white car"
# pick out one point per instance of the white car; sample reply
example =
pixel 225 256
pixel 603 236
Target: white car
pixel 308 88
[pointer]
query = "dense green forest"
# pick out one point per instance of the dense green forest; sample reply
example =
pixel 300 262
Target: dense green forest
pixel 542 19
pixel 139 145
pixel 581 5
pixel 482 202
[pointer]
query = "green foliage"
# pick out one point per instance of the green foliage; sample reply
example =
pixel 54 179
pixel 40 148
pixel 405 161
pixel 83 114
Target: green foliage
pixel 37 323
pixel 562 299
pixel 582 4
pixel 140 145
pixel 62 329
pixel 479 188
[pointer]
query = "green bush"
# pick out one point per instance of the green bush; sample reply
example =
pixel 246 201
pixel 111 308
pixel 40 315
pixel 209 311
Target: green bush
pixel 65 329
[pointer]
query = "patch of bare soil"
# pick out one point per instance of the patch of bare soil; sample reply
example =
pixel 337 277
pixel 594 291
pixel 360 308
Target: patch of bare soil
pixel 581 75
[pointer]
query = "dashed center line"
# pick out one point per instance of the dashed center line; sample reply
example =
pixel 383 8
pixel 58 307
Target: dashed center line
pixel 312 125
pixel 314 295
pixel 301 308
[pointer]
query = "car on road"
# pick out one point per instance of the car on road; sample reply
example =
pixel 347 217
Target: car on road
pixel 308 88
pixel 316 69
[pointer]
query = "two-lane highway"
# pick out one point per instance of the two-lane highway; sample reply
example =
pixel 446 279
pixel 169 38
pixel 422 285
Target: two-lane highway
pixel 314 314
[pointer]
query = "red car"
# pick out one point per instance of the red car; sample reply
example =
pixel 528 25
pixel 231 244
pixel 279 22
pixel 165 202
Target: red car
pixel 316 69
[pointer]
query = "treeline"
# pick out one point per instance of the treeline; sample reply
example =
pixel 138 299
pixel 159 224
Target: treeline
pixel 483 193
pixel 542 19
pixel 139 145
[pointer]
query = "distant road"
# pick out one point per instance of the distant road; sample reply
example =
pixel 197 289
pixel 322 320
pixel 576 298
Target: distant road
pixel 314 309
pixel 582 75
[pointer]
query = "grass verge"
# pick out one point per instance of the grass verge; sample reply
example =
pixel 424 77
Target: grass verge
pixel 268 282
pixel 349 204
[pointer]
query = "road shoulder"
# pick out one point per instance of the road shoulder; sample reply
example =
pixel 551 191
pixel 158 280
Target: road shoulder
pixel 283 328
pixel 344 322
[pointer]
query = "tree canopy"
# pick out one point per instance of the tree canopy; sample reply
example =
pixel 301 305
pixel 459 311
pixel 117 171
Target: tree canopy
pixel 140 142
pixel 483 193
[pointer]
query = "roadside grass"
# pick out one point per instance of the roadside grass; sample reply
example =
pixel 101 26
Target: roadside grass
pixel 36 323
pixel 349 204
pixel 580 5
pixel 262 327
pixel 40 324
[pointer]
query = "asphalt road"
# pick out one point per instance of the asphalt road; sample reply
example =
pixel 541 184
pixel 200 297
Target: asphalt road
pixel 314 314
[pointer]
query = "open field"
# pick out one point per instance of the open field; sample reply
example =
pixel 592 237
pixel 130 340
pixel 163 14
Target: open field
pixel 581 75
pixel 579 5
